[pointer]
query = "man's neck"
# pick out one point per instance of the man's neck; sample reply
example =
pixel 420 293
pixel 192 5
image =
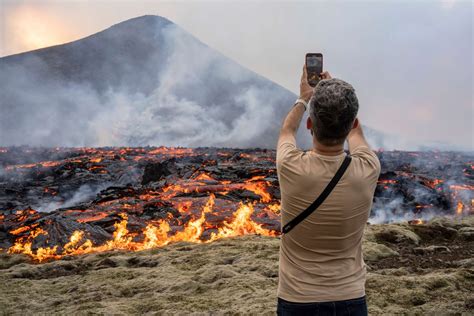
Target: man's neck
pixel 327 150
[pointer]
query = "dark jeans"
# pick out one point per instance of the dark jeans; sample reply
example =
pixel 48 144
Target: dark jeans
pixel 353 307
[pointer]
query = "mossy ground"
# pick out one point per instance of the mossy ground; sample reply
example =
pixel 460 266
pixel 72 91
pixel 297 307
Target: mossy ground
pixel 239 276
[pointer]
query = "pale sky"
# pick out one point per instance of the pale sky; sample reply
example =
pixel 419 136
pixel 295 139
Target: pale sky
pixel 410 61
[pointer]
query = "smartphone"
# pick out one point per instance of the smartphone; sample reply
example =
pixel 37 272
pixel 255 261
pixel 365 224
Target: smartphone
pixel 314 67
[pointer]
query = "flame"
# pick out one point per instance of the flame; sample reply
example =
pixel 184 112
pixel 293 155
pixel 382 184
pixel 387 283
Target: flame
pixel 258 187
pixel 241 225
pixel 204 176
pixel 121 240
pixel 25 247
pixel 50 191
pixel 156 236
pixel 96 160
pixel 459 208
pixel 275 208
pixel 153 235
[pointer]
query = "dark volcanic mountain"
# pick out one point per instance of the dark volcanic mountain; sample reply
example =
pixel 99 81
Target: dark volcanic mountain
pixel 142 81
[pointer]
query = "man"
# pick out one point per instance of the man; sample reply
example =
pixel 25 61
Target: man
pixel 322 271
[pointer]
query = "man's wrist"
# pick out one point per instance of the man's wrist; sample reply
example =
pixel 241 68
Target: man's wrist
pixel 302 102
pixel 305 98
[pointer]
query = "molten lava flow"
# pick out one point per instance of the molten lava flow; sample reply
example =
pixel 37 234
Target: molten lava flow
pixel 459 208
pixel 96 160
pixel 152 236
pixel 387 181
pixel 176 152
pixel 434 183
pixel 218 194
pixel 459 193
pixel 93 218
pixel 31 165
pixel 417 221
pixel 462 187
pixel 204 176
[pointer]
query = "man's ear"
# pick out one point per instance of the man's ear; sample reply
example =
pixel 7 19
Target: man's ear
pixel 356 123
pixel 309 123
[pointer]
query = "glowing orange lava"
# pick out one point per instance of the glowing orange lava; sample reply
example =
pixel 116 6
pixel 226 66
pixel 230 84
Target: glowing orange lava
pixel 153 236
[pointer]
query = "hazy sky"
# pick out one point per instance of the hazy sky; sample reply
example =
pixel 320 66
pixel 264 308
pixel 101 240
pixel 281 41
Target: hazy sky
pixel 410 62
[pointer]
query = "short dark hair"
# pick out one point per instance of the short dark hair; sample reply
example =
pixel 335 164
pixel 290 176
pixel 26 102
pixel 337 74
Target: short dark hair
pixel 333 109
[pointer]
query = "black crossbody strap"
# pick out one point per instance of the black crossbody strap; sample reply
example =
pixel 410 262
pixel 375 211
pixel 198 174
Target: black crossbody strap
pixel 300 217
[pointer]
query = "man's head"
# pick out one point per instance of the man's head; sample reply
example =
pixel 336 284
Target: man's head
pixel 333 109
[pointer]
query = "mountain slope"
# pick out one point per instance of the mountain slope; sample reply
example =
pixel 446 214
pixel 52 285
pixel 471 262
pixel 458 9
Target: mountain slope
pixel 116 57
pixel 143 81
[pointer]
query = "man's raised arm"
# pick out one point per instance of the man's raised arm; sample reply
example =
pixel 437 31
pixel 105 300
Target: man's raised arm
pixel 291 124
pixel 293 118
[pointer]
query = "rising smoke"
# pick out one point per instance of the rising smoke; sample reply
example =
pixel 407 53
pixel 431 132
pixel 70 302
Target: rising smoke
pixel 199 98
pixel 142 82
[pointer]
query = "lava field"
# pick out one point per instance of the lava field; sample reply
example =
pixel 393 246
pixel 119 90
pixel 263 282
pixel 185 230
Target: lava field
pixel 57 202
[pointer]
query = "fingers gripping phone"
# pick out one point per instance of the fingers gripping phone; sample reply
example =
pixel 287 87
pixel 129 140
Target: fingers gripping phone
pixel 314 68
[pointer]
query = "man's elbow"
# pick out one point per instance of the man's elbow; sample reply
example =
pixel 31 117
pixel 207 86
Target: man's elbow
pixel 287 130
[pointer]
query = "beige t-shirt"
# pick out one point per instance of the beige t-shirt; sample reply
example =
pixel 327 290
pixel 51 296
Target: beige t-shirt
pixel 321 258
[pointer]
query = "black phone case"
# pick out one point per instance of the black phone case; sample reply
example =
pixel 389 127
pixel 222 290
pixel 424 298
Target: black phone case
pixel 312 73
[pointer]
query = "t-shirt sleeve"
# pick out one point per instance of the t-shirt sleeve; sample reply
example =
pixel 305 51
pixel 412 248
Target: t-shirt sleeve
pixel 286 153
pixel 369 162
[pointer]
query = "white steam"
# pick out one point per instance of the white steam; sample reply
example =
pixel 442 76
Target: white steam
pixel 83 194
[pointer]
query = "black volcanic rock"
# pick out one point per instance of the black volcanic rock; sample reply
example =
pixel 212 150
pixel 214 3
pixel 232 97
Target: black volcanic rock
pixel 156 171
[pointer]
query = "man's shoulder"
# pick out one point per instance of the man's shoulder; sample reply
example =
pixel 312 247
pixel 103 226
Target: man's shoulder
pixel 366 159
pixel 287 151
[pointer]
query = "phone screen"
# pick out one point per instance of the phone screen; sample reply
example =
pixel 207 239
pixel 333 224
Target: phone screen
pixel 314 67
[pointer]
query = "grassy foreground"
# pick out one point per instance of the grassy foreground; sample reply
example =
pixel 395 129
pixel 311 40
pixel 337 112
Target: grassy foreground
pixel 413 269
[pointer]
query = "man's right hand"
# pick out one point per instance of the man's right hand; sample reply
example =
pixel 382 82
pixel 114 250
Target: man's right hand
pixel 325 75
